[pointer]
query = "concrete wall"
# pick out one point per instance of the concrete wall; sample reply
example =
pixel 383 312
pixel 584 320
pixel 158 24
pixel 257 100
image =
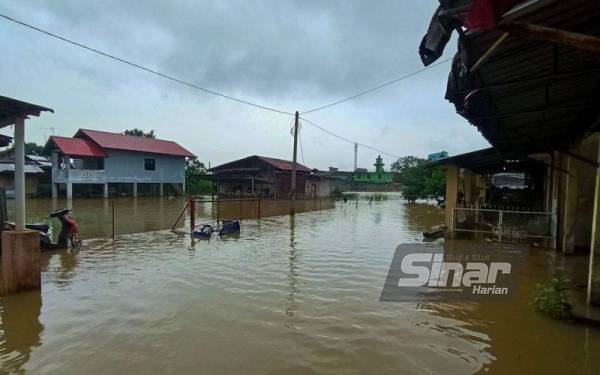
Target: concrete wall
pixel 125 166
pixel 322 188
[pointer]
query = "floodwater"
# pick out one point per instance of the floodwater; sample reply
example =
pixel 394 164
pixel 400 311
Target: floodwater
pixel 293 295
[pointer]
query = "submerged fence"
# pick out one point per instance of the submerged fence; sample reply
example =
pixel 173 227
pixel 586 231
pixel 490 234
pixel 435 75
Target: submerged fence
pixel 200 211
pixel 504 225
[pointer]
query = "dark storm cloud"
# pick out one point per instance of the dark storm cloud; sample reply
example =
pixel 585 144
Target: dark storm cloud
pixel 266 48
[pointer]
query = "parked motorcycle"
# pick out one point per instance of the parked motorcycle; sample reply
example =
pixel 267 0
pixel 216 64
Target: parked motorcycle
pixel 69 232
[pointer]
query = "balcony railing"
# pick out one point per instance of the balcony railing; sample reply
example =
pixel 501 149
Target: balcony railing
pixel 79 175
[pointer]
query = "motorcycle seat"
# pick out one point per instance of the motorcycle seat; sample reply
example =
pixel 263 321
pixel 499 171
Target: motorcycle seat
pixel 39 227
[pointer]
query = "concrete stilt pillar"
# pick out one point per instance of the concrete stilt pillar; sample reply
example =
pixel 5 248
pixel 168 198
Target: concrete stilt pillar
pixel 593 290
pixel 451 193
pixel 69 190
pixel 54 191
pixel 20 261
pixel 135 189
pixel 161 189
pixel 19 142
pixel 105 190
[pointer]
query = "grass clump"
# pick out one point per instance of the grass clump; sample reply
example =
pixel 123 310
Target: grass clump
pixel 550 298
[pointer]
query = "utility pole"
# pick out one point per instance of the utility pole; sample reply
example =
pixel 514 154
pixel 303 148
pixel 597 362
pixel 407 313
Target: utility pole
pixel 293 183
pixel 355 156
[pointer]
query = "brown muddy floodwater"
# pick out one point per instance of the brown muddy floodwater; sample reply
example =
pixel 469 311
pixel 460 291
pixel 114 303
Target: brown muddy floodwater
pixel 293 295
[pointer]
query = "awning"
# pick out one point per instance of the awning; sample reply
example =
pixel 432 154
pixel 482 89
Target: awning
pixel 12 108
pixel 488 161
pixel 527 94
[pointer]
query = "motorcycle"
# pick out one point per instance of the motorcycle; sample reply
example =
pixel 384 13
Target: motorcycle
pixel 69 232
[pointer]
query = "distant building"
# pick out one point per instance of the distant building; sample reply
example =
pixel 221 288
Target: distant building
pixel 37 180
pixel 7 178
pixel 259 176
pixel 380 176
pixel 437 156
pixel 100 163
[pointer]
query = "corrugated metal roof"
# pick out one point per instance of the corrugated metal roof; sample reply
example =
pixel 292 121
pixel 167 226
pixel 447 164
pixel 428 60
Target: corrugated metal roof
pixel 78 147
pixel 36 157
pixel 531 96
pixel 133 143
pixel 285 165
pixel 11 108
pixel 10 167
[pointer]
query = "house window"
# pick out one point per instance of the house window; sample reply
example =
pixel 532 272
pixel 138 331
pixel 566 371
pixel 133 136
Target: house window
pixel 149 164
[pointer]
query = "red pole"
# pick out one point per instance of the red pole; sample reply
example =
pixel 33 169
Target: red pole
pixel 258 209
pixel 192 215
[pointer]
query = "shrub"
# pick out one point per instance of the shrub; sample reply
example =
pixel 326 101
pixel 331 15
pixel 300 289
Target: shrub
pixel 550 298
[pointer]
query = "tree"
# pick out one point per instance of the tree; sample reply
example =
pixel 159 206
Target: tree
pixel 196 179
pixel 419 181
pixel 140 133
pixel 32 148
pixel 195 166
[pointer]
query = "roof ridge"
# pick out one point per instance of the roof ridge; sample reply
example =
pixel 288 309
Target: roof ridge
pixel 126 135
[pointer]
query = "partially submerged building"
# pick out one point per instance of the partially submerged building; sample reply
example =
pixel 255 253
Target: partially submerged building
pixel 32 178
pixel 527 75
pixel 102 163
pixel 260 176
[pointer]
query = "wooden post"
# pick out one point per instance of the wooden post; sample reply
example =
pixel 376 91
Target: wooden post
pixel 293 185
pixel 192 215
pixel 258 209
pixel 113 219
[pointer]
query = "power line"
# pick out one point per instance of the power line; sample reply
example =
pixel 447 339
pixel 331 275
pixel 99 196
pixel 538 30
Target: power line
pixel 152 71
pixel 378 87
pixel 348 140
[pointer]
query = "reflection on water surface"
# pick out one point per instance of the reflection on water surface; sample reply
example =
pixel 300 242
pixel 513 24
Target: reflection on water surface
pixel 291 295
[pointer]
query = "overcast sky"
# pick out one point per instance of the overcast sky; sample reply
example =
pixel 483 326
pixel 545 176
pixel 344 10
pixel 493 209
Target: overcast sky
pixel 293 55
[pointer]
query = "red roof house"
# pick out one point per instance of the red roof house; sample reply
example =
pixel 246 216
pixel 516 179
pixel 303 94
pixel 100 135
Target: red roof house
pixel 99 157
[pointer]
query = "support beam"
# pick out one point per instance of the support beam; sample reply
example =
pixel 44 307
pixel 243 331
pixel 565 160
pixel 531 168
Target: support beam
pixel 161 189
pixel 552 35
pixel 19 140
pixel 135 189
pixel 69 190
pixel 569 213
pixel 593 292
pixel 451 194
pixel 468 186
pixel 106 190
pixel 54 190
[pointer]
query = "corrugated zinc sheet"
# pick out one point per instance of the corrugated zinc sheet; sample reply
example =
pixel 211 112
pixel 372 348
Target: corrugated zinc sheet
pixel 78 147
pixel 284 164
pixel 10 167
pixel 132 143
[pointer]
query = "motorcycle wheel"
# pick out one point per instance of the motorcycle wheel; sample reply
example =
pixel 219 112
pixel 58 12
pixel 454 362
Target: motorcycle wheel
pixel 76 241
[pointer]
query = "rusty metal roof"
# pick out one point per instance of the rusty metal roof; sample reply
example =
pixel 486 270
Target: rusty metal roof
pixel 279 164
pixel 124 142
pixel 531 96
pixel 285 165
